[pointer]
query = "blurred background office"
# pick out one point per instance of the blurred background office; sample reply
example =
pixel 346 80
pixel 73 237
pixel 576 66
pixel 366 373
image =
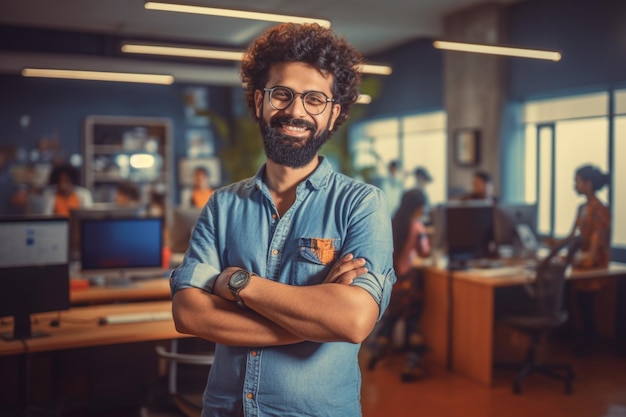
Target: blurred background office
pixel 528 123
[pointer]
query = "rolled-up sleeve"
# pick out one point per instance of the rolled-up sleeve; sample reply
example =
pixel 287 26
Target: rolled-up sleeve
pixel 369 237
pixel 201 264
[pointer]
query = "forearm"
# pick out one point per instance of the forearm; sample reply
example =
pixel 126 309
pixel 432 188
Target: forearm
pixel 210 317
pixel 321 313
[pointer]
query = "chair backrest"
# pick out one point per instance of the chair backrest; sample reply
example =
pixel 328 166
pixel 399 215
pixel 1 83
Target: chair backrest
pixel 550 278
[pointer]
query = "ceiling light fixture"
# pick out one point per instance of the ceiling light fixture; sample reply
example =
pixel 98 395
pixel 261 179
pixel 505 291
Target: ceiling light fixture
pixel 374 69
pixel 192 52
pixel 239 14
pixel 99 76
pixel 188 52
pixel 364 99
pixel 498 50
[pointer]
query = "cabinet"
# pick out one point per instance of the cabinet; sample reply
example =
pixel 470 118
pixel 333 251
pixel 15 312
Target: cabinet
pixel 120 149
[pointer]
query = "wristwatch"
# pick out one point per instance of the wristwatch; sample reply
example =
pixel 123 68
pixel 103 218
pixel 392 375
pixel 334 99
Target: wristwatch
pixel 237 282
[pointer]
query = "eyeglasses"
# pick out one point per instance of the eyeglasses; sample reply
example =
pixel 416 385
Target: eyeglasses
pixel 314 102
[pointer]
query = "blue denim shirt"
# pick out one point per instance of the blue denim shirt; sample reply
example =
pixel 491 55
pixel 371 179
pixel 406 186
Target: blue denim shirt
pixel 333 215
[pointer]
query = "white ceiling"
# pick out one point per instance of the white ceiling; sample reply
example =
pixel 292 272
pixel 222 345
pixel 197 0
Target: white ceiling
pixel 370 25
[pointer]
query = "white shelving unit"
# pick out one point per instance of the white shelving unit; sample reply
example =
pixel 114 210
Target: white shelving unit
pixel 135 149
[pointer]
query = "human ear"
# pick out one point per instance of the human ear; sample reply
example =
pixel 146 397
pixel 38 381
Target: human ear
pixel 335 111
pixel 258 103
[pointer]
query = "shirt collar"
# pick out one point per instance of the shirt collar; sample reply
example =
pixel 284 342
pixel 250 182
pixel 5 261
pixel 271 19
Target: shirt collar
pixel 318 179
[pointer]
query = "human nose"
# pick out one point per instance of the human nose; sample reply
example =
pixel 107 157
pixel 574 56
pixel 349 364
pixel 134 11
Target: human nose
pixel 296 107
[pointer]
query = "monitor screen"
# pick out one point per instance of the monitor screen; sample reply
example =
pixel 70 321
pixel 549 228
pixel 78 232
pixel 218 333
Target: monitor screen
pixel 121 246
pixel 34 269
pixel 95 211
pixel 469 232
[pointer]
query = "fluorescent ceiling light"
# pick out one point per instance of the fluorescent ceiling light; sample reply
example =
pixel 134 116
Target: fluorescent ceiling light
pixel 182 51
pixel 364 99
pixel 375 69
pixel 99 76
pixel 239 14
pixel 498 50
pixel 191 52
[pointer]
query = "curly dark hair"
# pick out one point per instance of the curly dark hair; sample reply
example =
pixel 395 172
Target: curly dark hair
pixel 308 43
pixel 64 168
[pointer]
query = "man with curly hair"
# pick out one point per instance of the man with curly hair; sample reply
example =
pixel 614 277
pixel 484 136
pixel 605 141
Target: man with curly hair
pixel 288 271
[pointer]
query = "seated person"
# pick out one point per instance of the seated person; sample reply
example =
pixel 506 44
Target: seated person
pixel 482 187
pixel 63 193
pixel 409 241
pixel 127 194
pixel 201 191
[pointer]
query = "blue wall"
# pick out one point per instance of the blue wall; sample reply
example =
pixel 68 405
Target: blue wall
pixel 416 84
pixel 590 34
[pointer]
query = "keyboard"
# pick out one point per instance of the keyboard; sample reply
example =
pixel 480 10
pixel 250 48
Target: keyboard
pixel 136 317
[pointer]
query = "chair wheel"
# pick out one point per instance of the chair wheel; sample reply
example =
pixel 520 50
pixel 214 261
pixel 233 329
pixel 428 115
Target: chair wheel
pixel 517 389
pixel 568 388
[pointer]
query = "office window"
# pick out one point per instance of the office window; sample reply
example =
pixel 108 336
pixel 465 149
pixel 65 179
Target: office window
pixel 577 142
pixel 561 135
pixel 413 140
pixel 425 144
pixel 545 136
pixel 618 187
pixel 373 145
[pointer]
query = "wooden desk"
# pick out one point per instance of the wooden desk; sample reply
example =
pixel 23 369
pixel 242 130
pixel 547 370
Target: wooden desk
pixel 79 328
pixel 84 364
pixel 153 289
pixel 459 322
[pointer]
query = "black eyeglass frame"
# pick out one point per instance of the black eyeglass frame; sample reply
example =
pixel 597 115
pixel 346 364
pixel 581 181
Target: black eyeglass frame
pixel 293 97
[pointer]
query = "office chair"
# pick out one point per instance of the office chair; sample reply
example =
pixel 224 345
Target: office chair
pixel 183 389
pixel 546 312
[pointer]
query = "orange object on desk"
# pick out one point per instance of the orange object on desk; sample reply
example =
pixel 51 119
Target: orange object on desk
pixel 79 284
pixel 166 257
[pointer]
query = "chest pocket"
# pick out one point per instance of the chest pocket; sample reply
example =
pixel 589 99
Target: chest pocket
pixel 318 250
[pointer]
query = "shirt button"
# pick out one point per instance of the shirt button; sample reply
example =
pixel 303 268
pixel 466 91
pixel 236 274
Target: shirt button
pixel 253 353
pixel 250 396
pixel 274 252
pixel 274 216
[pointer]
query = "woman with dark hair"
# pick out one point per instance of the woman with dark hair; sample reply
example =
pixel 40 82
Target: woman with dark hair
pixel 409 242
pixel 64 194
pixel 593 223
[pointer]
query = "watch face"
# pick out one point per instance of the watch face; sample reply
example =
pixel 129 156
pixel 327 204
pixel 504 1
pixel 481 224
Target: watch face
pixel 239 278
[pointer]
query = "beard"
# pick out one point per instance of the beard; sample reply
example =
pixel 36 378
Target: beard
pixel 291 151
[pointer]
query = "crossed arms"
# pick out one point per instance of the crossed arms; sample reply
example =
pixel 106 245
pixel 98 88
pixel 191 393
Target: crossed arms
pixel 280 314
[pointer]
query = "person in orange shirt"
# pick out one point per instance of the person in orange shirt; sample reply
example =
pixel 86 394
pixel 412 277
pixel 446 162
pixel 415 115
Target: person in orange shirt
pixel 63 193
pixel 201 191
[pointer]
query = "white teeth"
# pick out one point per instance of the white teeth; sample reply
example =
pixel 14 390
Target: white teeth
pixel 295 128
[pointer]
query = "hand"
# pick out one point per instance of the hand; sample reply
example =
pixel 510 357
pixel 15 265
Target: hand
pixel 221 284
pixel 345 270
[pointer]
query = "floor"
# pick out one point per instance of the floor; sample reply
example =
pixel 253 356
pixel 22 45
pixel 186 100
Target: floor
pixel 599 390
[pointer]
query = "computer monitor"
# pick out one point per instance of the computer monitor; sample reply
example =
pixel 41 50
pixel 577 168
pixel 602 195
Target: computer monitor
pixel 184 220
pixel 34 270
pixel 515 225
pixel 96 211
pixel 469 232
pixel 121 248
